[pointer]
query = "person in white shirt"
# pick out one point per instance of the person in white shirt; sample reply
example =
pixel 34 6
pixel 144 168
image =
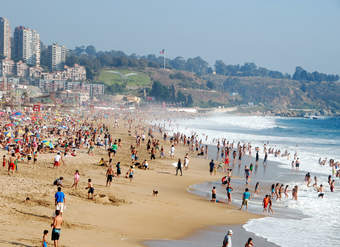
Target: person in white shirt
pixel 227 239
pixel 172 152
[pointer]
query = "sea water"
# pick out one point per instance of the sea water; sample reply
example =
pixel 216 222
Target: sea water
pixel 311 139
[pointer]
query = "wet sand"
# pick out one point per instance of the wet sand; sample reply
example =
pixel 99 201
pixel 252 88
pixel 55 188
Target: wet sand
pixel 213 237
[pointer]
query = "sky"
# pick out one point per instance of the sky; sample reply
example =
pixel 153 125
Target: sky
pixel 276 34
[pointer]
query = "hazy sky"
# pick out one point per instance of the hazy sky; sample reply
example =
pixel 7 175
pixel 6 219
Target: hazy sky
pixel 277 34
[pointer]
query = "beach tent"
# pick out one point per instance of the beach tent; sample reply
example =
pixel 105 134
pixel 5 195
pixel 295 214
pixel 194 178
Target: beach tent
pixel 48 144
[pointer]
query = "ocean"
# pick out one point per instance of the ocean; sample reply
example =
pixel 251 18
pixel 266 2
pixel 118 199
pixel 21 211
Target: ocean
pixel 311 139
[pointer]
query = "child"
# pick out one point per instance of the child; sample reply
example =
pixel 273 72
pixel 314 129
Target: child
pixel 102 162
pixel 4 160
pixel 131 173
pixel 76 179
pixel 44 242
pixel 90 189
pixel 213 194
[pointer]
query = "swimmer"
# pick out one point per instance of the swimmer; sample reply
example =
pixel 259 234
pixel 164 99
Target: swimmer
pixel 321 191
pixel 257 189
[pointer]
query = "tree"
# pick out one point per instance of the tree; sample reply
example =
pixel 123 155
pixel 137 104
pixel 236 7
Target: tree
pixel 90 50
pixel 211 85
pixel 181 98
pixel 160 92
pixel 189 101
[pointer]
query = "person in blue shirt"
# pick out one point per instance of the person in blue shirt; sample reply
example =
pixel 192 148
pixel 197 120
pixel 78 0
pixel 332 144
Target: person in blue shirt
pixel 245 198
pixel 60 200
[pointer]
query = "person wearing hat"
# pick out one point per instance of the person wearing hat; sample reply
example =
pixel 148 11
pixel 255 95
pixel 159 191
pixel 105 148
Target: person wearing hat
pixel 227 239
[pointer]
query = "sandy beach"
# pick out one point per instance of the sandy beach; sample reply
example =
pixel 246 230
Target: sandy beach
pixel 125 214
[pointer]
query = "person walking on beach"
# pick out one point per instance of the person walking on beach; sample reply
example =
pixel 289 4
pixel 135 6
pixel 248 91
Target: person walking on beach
pixel 211 167
pixel 172 152
pixel 245 199
pixel 76 180
pixel 60 200
pixel 57 160
pixel 119 171
pixel 227 239
pixel 179 167
pixel 109 176
pixel 56 228
pixel 11 164
pixel 131 173
pixel 90 188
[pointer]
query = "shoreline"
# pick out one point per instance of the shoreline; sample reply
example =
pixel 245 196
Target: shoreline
pixel 213 236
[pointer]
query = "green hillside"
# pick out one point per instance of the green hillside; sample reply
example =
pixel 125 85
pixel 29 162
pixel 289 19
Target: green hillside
pixel 124 77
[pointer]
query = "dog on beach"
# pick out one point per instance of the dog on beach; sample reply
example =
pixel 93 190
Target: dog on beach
pixel 155 192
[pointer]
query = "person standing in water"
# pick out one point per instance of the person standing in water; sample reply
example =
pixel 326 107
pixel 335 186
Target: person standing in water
pixel 332 185
pixel 229 189
pixel 257 189
pixel 245 199
pixel 320 191
pixel 211 167
pixel 213 194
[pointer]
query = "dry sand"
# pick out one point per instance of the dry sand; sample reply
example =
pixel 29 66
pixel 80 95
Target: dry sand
pixel 126 214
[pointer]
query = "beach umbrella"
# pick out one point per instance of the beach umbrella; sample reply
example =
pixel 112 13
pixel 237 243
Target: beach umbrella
pixel 9 134
pixel 47 144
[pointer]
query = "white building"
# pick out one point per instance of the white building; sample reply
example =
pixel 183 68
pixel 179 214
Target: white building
pixel 6 67
pixel 27 45
pixel 56 57
pixel 5 38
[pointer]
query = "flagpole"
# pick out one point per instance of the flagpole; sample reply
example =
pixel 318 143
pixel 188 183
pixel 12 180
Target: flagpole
pixel 164 60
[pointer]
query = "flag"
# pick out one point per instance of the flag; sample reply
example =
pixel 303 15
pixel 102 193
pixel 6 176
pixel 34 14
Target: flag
pixel 162 52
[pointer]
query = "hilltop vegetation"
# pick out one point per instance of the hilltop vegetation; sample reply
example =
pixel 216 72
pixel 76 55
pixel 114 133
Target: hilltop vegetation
pixel 192 82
